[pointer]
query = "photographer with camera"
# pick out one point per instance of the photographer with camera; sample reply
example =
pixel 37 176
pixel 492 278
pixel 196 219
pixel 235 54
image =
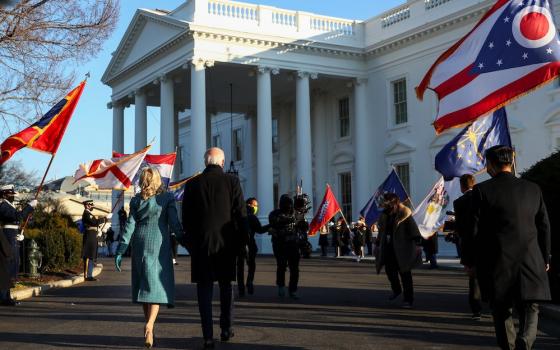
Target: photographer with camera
pixel 285 245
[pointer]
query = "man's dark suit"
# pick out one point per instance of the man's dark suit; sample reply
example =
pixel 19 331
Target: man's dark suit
pixel 462 207
pixel 214 220
pixel 512 238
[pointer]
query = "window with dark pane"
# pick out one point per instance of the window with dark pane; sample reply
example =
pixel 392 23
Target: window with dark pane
pixel 399 101
pixel 237 145
pixel 344 117
pixel 217 141
pixel 346 194
pixel 403 170
pixel 274 135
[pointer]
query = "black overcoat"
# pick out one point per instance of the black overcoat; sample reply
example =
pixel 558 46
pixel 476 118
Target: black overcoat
pixel 215 224
pixel 512 239
pixel 5 256
pixel 405 238
pixel 462 207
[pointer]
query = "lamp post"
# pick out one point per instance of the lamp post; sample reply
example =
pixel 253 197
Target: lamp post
pixel 232 170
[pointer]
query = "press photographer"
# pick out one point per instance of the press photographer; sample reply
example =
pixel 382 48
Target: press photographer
pixel 285 244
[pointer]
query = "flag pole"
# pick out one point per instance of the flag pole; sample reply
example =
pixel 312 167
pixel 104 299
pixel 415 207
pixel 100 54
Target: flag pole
pixel 38 192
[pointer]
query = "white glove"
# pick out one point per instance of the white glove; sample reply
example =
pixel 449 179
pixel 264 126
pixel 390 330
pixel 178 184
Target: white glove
pixel 99 233
pixel 104 230
pixel 33 203
pixel 20 237
pixel 109 216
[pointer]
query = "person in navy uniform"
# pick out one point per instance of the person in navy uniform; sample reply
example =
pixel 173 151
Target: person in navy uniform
pixel 89 248
pixel 10 220
pixel 509 243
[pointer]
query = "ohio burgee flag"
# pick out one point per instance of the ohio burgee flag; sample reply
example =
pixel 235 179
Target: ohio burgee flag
pixel 512 50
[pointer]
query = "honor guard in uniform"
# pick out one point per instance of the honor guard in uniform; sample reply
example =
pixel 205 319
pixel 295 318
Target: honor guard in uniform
pixel 91 227
pixel 10 220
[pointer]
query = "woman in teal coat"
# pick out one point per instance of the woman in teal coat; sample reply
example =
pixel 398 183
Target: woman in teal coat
pixel 152 215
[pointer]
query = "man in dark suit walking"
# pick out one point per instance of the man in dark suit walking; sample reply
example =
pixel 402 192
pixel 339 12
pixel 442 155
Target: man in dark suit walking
pixel 215 224
pixel 462 207
pixel 511 250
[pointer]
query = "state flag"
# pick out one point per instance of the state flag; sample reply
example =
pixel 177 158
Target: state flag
pixel 328 208
pixel 512 50
pixel 373 208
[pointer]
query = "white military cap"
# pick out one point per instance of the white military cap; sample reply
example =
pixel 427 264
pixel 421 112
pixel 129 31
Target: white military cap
pixel 7 188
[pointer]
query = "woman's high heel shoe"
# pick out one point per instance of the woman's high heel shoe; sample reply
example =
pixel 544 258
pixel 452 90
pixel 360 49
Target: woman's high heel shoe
pixel 149 338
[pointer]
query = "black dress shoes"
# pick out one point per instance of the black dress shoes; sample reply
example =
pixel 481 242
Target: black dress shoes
pixel 208 344
pixel 226 335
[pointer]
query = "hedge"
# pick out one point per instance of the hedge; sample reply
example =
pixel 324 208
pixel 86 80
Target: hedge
pixel 57 236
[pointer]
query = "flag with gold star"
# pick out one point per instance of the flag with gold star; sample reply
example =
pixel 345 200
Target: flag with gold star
pixel 465 153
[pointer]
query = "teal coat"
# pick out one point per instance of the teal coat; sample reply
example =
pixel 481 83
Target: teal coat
pixel 148 232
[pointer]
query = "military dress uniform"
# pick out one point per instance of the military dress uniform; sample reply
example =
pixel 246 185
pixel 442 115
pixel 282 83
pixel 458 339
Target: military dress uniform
pixel 89 247
pixel 10 220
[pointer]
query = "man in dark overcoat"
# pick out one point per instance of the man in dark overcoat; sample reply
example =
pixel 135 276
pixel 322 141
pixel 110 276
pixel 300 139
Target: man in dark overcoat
pixel 462 207
pixel 511 248
pixel 215 224
pixel 89 244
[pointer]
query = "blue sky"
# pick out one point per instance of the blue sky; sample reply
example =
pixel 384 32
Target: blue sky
pixel 89 135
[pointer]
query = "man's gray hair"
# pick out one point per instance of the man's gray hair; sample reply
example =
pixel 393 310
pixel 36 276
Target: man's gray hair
pixel 214 156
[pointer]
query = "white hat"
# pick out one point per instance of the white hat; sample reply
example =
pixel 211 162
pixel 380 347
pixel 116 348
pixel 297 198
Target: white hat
pixel 7 188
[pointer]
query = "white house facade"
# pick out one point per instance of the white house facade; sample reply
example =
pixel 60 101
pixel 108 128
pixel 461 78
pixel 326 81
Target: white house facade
pixel 313 98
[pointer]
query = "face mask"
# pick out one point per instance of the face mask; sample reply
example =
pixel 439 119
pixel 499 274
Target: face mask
pixel 255 210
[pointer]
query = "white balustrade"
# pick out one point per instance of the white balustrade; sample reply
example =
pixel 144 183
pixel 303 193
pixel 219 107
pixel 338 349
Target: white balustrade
pixel 328 24
pixel 395 16
pixel 234 10
pixel 430 4
pixel 285 18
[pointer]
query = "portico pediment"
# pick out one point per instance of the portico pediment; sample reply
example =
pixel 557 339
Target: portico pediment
pixel 148 31
pixel 399 147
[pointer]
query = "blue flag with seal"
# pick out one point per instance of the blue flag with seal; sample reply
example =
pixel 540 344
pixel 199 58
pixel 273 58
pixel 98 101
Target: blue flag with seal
pixel 465 153
pixel 373 208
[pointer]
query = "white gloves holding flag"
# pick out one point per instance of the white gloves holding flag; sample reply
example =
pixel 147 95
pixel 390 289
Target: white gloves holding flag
pixel 20 237
pixel 109 216
pixel 33 203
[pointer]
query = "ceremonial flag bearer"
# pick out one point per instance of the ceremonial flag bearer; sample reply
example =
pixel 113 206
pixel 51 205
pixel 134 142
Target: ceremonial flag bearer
pixel 91 227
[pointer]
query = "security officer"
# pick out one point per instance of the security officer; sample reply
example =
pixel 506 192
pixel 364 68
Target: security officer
pixel 89 249
pixel 250 255
pixel 10 220
pixel 285 245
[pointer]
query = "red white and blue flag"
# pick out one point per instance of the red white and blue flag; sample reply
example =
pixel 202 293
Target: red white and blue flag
pixel 327 210
pixel 162 162
pixel 512 50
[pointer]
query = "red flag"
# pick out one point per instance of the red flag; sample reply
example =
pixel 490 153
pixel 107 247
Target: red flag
pixel 45 134
pixel 328 208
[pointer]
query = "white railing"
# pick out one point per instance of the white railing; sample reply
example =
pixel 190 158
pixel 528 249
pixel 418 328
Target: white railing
pixel 328 24
pixel 233 10
pixel 395 16
pixel 285 18
pixel 430 4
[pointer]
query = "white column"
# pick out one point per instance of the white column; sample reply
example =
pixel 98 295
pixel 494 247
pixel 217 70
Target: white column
pixel 304 165
pixel 320 146
pixel 118 146
pixel 167 118
pixel 118 126
pixel 361 134
pixel 265 175
pixel 140 120
pixel 198 114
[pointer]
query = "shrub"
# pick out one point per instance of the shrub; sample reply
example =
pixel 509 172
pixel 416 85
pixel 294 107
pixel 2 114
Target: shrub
pixel 57 236
pixel 546 174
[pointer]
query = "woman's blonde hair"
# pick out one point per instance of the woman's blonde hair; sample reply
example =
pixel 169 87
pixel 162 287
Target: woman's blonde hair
pixel 150 183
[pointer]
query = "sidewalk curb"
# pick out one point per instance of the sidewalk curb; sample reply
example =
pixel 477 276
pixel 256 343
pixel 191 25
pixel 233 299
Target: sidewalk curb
pixel 35 291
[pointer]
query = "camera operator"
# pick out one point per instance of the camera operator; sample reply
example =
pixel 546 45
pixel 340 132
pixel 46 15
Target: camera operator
pixel 285 245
